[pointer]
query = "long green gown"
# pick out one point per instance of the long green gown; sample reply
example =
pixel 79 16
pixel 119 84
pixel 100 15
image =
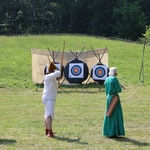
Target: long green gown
pixel 114 124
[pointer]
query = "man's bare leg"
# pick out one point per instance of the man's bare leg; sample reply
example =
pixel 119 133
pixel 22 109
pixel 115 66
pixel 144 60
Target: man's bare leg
pixel 49 126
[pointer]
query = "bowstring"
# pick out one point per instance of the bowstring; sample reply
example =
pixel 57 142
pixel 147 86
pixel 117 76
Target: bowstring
pixel 133 92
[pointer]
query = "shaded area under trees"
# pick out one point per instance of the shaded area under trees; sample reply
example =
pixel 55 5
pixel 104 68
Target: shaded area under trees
pixel 119 18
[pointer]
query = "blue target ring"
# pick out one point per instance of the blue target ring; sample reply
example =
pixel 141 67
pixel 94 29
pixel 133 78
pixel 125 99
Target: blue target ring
pixel 100 72
pixel 76 70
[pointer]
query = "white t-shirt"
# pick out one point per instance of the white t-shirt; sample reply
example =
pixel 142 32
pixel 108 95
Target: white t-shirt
pixel 51 85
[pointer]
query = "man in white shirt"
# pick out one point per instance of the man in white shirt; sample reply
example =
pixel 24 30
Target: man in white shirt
pixel 49 97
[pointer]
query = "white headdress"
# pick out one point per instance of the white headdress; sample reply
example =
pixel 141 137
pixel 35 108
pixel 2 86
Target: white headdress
pixel 113 71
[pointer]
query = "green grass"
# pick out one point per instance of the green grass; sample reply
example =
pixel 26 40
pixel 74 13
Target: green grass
pixel 15 58
pixel 78 113
pixel 78 120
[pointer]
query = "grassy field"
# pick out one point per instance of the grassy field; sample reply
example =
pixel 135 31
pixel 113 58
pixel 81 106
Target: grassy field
pixel 78 120
pixel 78 113
pixel 15 58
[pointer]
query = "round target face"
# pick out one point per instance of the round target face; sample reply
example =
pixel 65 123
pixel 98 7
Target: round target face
pixel 100 72
pixel 76 70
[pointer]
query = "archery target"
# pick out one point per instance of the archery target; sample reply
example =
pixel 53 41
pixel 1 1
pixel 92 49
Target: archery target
pixel 99 72
pixel 47 66
pixel 76 70
pixel 58 66
pixel 46 69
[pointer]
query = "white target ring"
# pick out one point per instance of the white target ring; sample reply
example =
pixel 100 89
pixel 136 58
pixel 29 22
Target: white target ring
pixel 76 70
pixel 100 72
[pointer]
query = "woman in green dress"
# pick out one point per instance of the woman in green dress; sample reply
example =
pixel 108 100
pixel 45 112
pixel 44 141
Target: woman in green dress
pixel 113 126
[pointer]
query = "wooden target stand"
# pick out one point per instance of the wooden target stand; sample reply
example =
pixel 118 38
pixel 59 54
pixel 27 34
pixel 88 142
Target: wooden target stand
pixel 142 64
pixel 58 65
pixel 53 59
pixel 76 71
pixel 76 55
pixel 47 65
pixel 99 72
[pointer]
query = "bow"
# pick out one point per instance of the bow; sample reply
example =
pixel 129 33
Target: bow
pixel 61 64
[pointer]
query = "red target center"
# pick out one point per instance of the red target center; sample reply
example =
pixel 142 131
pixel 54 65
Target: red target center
pixel 76 70
pixel 99 71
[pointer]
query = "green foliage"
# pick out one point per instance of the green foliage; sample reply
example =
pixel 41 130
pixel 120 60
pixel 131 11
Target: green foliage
pixel 147 35
pixel 102 19
pixel 130 20
pixel 123 18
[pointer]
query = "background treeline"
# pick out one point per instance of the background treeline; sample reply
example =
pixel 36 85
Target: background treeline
pixel 125 19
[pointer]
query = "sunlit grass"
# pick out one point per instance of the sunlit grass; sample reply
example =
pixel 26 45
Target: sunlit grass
pixel 78 120
pixel 79 112
pixel 16 57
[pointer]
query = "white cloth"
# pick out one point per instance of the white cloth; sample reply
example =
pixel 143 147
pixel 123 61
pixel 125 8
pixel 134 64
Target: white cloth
pixel 113 71
pixel 49 108
pixel 50 92
pixel 51 85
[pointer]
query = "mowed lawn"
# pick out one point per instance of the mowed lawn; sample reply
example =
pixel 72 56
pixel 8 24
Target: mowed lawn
pixel 78 120
pixel 79 112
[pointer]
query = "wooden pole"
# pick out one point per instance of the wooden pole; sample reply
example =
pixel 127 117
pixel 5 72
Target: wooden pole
pixel 142 65
pixel 62 58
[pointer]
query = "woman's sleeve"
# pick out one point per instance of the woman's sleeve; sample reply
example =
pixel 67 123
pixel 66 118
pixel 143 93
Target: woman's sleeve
pixel 117 85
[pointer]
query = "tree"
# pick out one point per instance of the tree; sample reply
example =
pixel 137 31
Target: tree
pixel 130 20
pixel 102 18
pixel 80 16
pixel 147 35
pixel 8 16
pixel 118 18
pixel 146 41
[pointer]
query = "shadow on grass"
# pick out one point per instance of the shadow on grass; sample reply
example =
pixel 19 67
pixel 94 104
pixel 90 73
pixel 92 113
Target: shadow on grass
pixel 82 88
pixel 90 88
pixel 69 140
pixel 7 142
pixel 135 142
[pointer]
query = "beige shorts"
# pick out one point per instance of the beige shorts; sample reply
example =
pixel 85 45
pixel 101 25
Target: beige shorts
pixel 49 108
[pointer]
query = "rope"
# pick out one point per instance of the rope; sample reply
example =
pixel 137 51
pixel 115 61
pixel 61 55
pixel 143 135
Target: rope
pixel 133 92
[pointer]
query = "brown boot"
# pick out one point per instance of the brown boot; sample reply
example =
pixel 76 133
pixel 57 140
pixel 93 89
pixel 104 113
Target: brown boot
pixel 50 133
pixel 46 131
